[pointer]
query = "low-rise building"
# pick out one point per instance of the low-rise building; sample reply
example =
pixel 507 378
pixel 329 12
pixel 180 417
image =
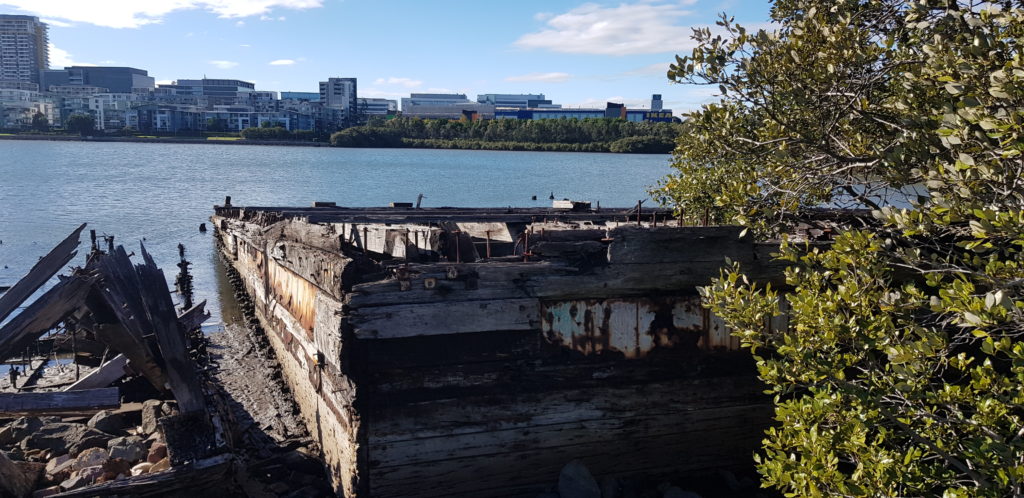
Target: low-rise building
pixel 521 101
pixel 115 79
pixel 378 107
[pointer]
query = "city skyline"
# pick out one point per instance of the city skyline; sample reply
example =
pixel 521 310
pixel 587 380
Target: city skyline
pixel 578 54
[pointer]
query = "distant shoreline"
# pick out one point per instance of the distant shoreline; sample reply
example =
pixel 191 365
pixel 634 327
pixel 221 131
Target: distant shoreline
pixel 286 143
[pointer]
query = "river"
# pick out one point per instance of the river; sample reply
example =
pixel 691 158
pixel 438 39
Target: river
pixel 160 193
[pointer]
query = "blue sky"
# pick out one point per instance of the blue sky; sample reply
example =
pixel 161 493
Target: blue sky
pixel 577 53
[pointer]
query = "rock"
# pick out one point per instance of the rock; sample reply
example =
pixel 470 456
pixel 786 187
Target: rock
pixel 90 474
pixel 50 491
pixel 157 452
pixel 676 492
pixel 575 481
pixel 61 471
pixel 92 457
pixel 609 487
pixel 19 429
pixel 108 421
pixel 33 471
pixel 55 462
pixel 151 411
pixel 62 437
pixel 161 465
pixel 130 448
pixel 13 481
pixel 73 482
pixel 141 468
pixel 116 467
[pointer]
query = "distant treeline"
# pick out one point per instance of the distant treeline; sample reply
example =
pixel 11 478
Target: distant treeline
pixel 278 133
pixel 586 135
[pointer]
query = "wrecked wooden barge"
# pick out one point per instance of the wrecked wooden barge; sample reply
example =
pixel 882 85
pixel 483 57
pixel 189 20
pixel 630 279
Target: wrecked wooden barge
pixel 474 352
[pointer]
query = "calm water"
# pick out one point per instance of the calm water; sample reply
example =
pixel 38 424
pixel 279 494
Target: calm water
pixel 162 192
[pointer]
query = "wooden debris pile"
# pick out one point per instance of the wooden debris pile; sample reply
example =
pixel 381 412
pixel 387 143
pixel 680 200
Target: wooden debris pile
pixel 87 439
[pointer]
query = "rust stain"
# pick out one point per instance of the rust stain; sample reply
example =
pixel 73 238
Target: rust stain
pixel 295 293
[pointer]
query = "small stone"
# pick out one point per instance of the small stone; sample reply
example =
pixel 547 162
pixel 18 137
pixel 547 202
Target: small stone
pixel 576 481
pixel 73 482
pixel 18 429
pixel 56 462
pixel 151 411
pixel 64 437
pixel 161 465
pixel 157 452
pixel 91 457
pixel 90 474
pixel 115 467
pixel 142 468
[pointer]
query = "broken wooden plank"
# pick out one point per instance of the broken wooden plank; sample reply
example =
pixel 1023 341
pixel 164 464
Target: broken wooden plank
pixel 43 314
pixel 194 317
pixel 645 245
pixel 171 338
pixel 41 272
pixel 200 477
pixel 106 374
pixel 59 402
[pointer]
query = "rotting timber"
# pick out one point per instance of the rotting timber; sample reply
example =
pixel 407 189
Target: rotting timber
pixel 474 352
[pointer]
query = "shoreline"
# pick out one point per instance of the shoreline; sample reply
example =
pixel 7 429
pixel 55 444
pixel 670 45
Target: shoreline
pixel 286 143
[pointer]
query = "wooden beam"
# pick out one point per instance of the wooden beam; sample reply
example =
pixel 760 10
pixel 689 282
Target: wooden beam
pixel 41 272
pixel 42 315
pixel 385 322
pixel 106 374
pixel 59 402
pixel 194 317
pixel 171 338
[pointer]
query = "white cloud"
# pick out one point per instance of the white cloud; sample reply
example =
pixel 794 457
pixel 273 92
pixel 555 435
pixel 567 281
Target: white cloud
pixel 239 23
pixel 282 62
pixel 245 45
pixel 543 77
pixel 224 64
pixel 59 24
pixel 135 13
pixel 406 82
pixel 659 69
pixel 60 58
pixel 645 27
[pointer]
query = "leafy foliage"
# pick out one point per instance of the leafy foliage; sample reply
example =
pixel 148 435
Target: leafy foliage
pixel 40 123
pixel 80 123
pixel 900 370
pixel 277 133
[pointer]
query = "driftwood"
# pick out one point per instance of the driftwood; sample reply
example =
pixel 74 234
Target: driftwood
pixel 59 402
pixel 194 317
pixel 41 272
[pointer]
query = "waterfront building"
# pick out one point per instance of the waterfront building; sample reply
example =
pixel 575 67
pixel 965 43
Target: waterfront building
pixel 114 79
pixel 24 49
pixel 340 93
pixel 377 107
pixel 212 92
pixel 521 101
pixel 111 109
pixel 307 96
pixel 611 111
pixel 445 106
pixel 17 107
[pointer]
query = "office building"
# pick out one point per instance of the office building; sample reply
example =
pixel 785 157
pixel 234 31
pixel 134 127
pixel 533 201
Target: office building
pixel 656 104
pixel 340 93
pixel 211 92
pixel 378 107
pixel 114 79
pixel 612 110
pixel 445 106
pixel 24 49
pixel 519 101
pixel 307 96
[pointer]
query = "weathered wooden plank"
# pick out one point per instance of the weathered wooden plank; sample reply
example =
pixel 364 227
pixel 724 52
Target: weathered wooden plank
pixel 613 429
pixel 59 402
pixel 194 317
pixel 197 479
pixel 42 315
pixel 106 374
pixel 445 318
pixel 41 272
pixel 628 280
pixel 171 338
pixel 669 244
pixel 325 269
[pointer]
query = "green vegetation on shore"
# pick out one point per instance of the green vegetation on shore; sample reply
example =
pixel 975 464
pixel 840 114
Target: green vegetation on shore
pixel 567 135
pixel 899 369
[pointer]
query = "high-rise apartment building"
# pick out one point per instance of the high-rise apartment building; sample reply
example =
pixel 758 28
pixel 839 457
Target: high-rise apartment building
pixel 340 93
pixel 24 50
